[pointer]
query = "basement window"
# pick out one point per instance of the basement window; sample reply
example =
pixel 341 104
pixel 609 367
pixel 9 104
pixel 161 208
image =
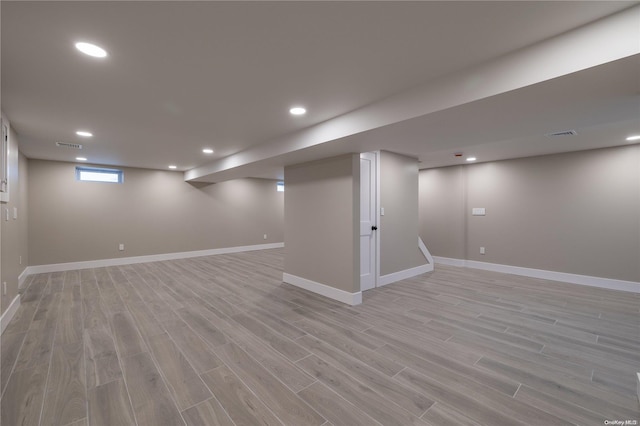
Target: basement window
pixel 95 174
pixel 280 186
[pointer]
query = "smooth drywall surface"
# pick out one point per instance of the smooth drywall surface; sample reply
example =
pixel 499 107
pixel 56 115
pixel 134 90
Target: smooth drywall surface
pixel 152 212
pixel 576 213
pixel 442 211
pixel 321 218
pixel 13 222
pixel 399 225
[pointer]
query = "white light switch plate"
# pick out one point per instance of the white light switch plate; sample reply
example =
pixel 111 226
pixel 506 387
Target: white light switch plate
pixel 478 211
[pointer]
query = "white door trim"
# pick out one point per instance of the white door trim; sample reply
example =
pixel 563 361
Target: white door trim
pixel 367 236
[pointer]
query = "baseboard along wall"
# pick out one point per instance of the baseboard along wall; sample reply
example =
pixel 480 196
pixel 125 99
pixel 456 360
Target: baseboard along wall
pixel 57 267
pixel 607 283
pixel 323 289
pixel 8 314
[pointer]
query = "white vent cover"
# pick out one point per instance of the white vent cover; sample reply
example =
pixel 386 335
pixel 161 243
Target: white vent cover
pixel 68 145
pixel 563 133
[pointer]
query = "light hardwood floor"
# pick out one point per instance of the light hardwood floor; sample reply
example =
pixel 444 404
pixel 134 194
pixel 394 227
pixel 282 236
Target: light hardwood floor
pixel 222 341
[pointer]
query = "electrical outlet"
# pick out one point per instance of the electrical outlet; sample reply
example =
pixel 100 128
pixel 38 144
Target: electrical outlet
pixel 481 250
pixel 121 247
pixel 265 237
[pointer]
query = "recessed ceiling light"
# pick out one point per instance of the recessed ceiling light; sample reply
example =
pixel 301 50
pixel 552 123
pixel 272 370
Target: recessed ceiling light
pixel 81 159
pixel 207 151
pixel 633 138
pixel 298 111
pixel 173 167
pixel 84 133
pixel 470 159
pixel 91 49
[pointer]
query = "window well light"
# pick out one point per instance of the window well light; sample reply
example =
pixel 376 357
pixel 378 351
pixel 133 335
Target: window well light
pixel 81 159
pixel 207 151
pixel 470 159
pixel 633 138
pixel 91 49
pixel 173 167
pixel 297 111
pixel 84 133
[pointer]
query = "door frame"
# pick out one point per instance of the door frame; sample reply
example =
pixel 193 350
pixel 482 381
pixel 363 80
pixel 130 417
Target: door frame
pixel 376 207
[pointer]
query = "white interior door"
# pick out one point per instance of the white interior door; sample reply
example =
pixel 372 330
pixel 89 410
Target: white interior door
pixel 368 221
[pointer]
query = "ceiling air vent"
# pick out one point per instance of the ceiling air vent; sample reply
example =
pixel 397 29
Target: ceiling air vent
pixel 564 133
pixel 68 145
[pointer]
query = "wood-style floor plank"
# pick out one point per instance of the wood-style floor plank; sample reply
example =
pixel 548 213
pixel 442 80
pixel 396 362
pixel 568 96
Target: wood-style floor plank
pixel 291 350
pixel 65 399
pixel 194 348
pixel 101 359
pixel 283 369
pixel 10 345
pixel 109 405
pixel 411 401
pixel 241 404
pixel 334 408
pixel 152 403
pixel 126 335
pixel 441 414
pixel 358 394
pixel 220 340
pixel 281 400
pixel 184 383
pixel 22 401
pixel 207 413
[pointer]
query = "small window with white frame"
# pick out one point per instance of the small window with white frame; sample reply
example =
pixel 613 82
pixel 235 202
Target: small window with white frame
pixel 99 174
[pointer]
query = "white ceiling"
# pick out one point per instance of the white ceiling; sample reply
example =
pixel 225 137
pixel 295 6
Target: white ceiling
pixel 182 76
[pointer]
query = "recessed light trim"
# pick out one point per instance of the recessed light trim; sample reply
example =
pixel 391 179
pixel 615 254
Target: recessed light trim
pixel 173 167
pixel 91 49
pixel 633 138
pixel 470 159
pixel 207 151
pixel 84 133
pixel 298 110
pixel 81 159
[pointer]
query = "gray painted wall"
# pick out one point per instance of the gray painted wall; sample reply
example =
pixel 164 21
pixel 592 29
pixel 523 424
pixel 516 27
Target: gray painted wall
pixel 399 226
pixel 152 212
pixel 442 211
pixel 577 212
pixel 321 217
pixel 13 233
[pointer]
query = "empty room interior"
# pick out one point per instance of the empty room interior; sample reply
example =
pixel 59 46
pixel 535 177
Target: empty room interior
pixel 320 213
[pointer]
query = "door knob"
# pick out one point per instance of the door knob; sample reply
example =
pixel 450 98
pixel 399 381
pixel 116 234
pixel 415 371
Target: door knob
pixel 374 228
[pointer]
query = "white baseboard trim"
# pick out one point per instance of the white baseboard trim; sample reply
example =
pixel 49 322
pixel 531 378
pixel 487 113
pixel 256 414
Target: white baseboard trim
pixel 5 319
pixel 23 277
pixel 608 283
pixel 403 275
pixel 425 251
pixel 323 289
pixel 449 261
pixel 57 267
